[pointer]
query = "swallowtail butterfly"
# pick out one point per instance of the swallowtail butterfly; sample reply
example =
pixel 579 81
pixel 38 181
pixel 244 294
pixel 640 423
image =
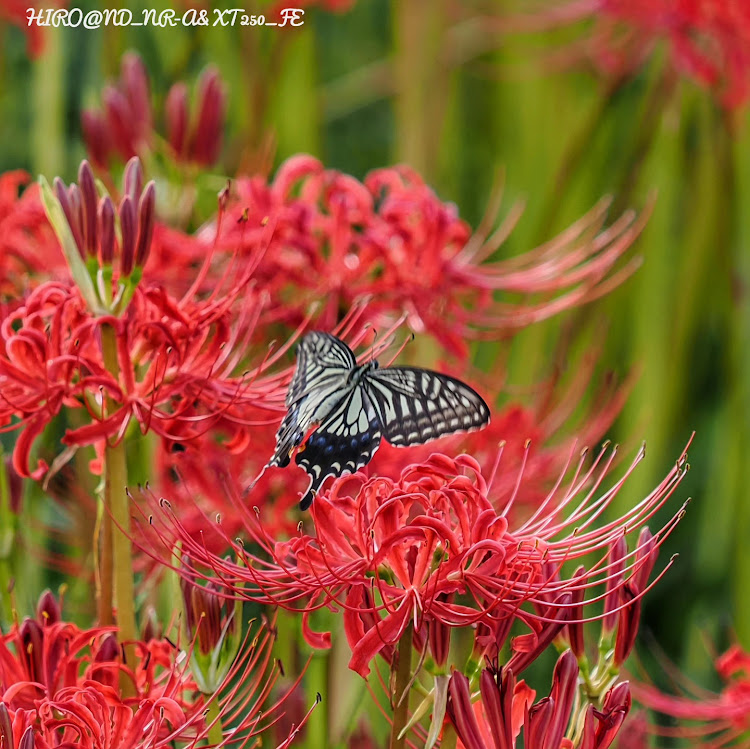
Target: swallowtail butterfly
pixel 355 405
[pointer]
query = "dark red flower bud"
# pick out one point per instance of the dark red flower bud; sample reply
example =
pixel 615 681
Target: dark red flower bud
pixel 537 724
pixel 15 485
pixel 177 117
pixel 206 140
pixel 616 563
pixel 461 712
pixel 146 217
pixel 128 236
pixel 118 119
pixel 575 628
pixel 439 637
pixel 87 186
pixel 564 690
pixel 106 230
pixel 135 84
pixel 48 609
pixel 601 727
pixel 70 203
pixel 132 179
pixel 96 137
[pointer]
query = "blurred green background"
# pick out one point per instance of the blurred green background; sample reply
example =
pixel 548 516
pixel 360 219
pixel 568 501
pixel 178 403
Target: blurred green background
pixel 435 85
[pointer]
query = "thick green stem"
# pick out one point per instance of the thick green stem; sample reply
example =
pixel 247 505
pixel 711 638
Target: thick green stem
pixel 316 681
pixel 213 720
pixel 103 561
pixel 400 698
pixel 116 498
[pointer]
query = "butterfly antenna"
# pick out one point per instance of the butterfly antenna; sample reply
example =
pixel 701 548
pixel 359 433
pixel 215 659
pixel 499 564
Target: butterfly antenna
pixel 374 341
pixel 405 343
pixel 252 484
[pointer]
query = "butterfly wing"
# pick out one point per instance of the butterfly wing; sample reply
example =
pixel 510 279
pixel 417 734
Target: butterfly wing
pixel 323 365
pixel 416 405
pixel 345 441
pixel 321 359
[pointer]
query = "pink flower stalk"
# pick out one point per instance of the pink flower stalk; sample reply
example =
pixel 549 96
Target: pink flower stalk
pixel 341 240
pixel 125 126
pixel 560 721
pixel 708 40
pixel 707 720
pixel 431 547
pixel 60 686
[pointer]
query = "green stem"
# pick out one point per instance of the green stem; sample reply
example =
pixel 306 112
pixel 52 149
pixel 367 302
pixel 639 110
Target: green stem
pixel 399 699
pixel 213 719
pixel 316 681
pixel 116 482
pixel 48 94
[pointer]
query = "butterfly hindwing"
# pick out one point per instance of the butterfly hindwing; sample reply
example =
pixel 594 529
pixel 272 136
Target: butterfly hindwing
pixel 344 442
pixel 417 405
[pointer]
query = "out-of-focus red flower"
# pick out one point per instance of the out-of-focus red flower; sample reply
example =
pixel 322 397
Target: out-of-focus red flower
pixel 125 125
pixel 708 40
pixel 393 241
pixel 564 720
pixel 707 719
pixel 16 12
pixel 27 243
pixel 415 542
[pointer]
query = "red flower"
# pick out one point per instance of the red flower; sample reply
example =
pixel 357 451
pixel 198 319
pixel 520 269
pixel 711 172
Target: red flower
pixel 709 720
pixel 28 247
pixel 432 547
pixel 342 241
pixel 708 40
pixel 62 685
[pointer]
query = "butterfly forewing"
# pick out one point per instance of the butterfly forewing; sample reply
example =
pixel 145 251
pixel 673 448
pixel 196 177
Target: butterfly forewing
pixel 318 385
pixel 345 441
pixel 417 405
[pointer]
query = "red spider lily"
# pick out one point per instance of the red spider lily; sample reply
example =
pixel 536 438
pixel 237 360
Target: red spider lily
pixel 27 244
pixel 176 358
pixel 708 719
pixel 432 547
pixel 708 40
pixel 531 459
pixel 63 685
pixel 125 126
pixel 506 706
pixel 342 240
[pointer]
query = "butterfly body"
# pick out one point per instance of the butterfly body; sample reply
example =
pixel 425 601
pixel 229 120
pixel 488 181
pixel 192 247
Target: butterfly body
pixel 355 405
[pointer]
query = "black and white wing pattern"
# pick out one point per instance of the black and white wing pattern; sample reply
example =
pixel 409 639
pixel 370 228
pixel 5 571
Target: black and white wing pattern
pixel 416 405
pixel 344 442
pixel 319 382
pixel 354 406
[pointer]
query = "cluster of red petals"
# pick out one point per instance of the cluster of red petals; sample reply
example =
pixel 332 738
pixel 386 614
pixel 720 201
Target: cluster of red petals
pixel 125 125
pixel 177 361
pixel 521 449
pixel 60 686
pixel 431 547
pixel 707 719
pixel 709 40
pixel 391 240
pixel 28 247
pixel 507 705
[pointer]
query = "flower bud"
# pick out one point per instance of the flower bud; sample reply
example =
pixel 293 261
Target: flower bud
pixel 177 117
pixel 48 609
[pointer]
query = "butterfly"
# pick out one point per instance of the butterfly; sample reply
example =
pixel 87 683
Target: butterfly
pixel 356 405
